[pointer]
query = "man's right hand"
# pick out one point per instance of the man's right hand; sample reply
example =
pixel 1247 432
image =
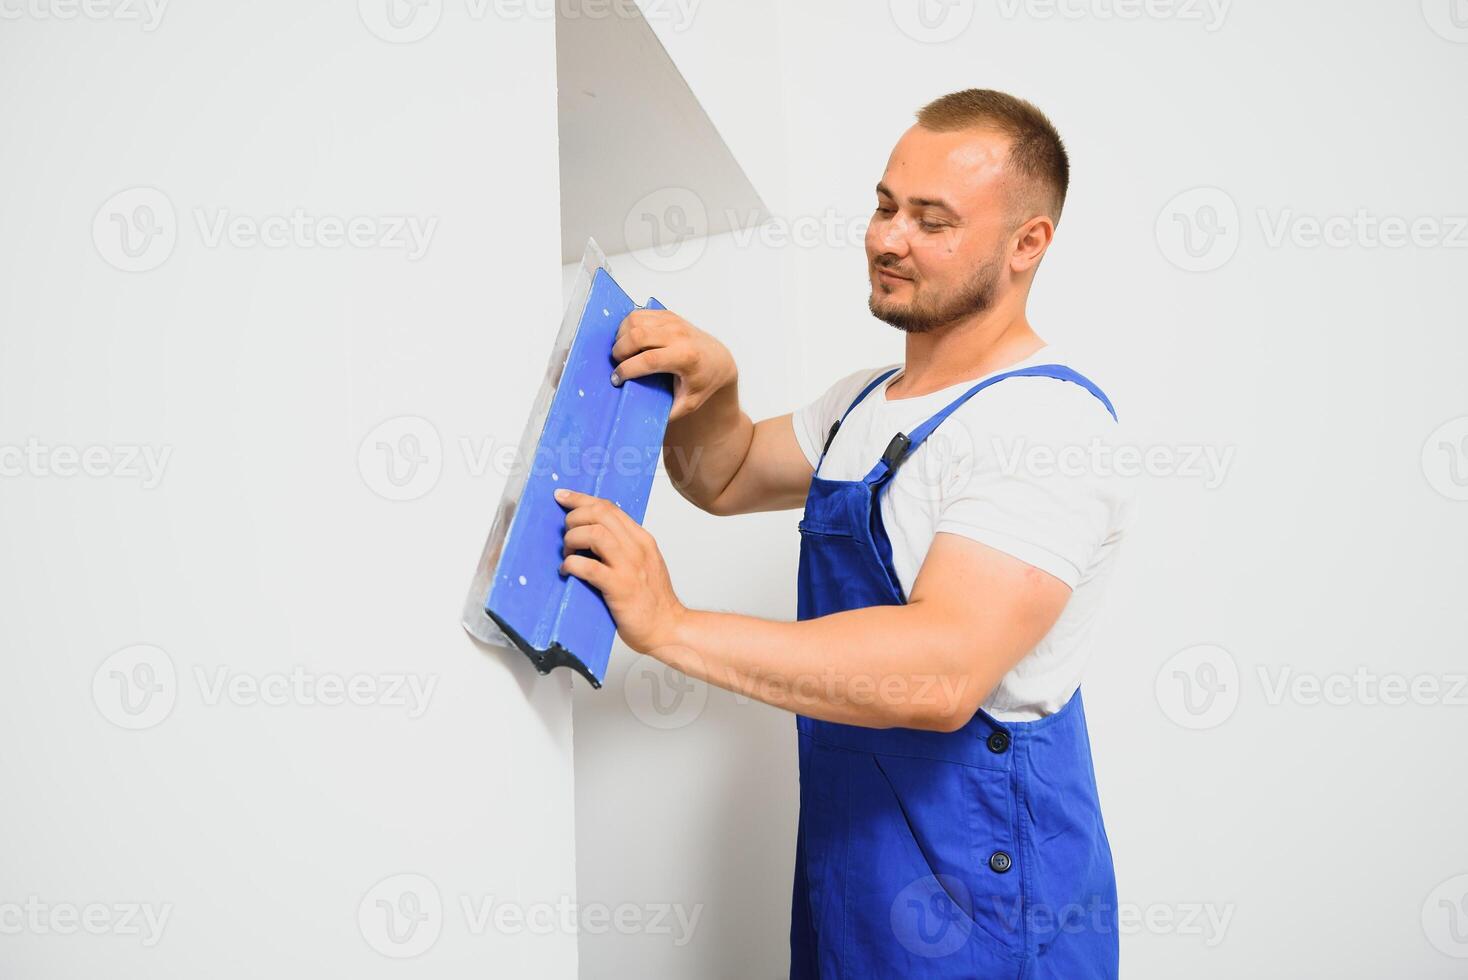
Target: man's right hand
pixel 717 458
pixel 661 341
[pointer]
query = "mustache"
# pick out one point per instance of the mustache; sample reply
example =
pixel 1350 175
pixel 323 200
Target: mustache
pixel 885 262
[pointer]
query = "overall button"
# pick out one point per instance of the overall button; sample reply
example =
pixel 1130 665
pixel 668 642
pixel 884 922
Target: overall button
pixel 998 742
pixel 1000 861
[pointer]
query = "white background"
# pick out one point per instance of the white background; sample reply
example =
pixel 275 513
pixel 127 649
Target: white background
pixel 283 838
pixel 1325 837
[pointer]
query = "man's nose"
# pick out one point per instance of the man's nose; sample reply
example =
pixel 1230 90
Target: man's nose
pixel 892 235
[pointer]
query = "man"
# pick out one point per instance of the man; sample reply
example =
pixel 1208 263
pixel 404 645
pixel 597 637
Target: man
pixel 950 579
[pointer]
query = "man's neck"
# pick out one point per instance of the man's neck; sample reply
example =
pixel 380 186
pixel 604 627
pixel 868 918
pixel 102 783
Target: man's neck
pixel 965 349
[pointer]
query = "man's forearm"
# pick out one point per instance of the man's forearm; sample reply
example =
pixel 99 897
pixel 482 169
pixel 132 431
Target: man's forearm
pixel 703 450
pixel 878 666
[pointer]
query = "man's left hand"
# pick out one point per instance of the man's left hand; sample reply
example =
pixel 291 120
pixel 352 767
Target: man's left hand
pixel 626 567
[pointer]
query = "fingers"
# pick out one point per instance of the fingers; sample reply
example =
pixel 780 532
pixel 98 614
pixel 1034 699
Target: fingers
pixel 596 524
pixel 642 329
pixel 654 320
pixel 587 508
pixel 655 361
pixel 621 550
pixel 593 537
pixel 589 570
pixel 567 497
pixel 596 538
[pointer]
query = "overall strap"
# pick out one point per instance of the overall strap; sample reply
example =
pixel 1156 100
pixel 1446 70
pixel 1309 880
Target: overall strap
pixel 857 401
pixel 903 444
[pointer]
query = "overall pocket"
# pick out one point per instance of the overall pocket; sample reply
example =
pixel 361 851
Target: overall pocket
pixel 839 571
pixel 923 841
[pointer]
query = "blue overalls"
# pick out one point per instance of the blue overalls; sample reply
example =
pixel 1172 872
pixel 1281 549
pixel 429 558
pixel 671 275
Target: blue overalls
pixel 979 853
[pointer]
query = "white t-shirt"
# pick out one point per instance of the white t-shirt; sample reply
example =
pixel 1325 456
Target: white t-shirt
pixel 1022 467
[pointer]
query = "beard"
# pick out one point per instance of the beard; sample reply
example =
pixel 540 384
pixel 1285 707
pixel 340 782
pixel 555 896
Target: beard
pixel 924 313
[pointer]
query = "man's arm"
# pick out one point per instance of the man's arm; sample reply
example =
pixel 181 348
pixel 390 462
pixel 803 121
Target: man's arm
pixel 771 474
pixel 718 459
pixel 974 613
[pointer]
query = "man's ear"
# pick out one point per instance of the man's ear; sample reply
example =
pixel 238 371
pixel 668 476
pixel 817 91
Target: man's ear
pixel 1031 240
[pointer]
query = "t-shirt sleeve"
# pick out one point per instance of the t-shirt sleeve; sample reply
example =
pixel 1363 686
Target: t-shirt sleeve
pixel 1035 484
pixel 813 420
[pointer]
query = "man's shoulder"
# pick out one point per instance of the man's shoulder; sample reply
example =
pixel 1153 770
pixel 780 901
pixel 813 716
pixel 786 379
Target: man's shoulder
pixel 812 420
pixel 1041 402
pixel 842 392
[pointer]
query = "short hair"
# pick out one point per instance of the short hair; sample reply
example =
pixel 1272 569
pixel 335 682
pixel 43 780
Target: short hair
pixel 1036 152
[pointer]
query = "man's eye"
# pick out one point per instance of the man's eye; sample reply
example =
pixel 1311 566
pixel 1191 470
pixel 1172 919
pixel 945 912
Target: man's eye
pixel 881 209
pixel 931 225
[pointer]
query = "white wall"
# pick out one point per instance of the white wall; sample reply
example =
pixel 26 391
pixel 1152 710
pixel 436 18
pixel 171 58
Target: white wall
pixel 1325 837
pixel 270 545
pixel 1273 835
pixel 684 793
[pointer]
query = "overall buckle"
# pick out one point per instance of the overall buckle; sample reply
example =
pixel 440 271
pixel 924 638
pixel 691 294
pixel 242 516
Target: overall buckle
pixel 896 449
pixel 834 426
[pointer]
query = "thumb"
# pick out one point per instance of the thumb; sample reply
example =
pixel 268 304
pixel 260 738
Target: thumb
pixel 681 406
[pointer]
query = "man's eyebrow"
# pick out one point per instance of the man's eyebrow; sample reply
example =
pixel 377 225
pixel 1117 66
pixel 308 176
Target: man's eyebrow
pixel 921 202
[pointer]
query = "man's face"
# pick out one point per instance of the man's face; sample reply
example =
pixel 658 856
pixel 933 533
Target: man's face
pixel 937 245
